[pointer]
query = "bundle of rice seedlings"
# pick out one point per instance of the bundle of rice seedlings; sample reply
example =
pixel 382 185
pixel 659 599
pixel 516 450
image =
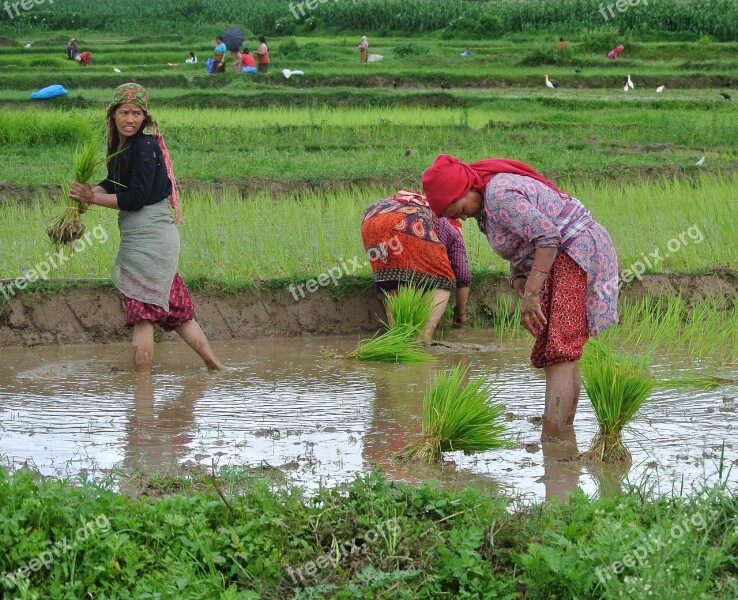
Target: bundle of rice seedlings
pixel 410 305
pixel 617 385
pixel 67 228
pixel 456 417
pixel 398 345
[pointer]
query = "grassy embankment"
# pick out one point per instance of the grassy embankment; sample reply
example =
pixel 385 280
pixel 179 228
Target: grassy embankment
pixel 373 538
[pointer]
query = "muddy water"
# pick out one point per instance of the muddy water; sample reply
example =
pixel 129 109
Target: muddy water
pixel 281 405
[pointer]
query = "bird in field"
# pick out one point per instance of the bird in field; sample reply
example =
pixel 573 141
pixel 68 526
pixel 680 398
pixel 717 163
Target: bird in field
pixel 288 73
pixel 700 162
pixel 27 46
pixel 626 88
pixel 659 89
pixel 630 83
pixel 394 84
pixel 577 70
pixel 116 69
pixel 445 85
pixel 724 95
pixel 549 84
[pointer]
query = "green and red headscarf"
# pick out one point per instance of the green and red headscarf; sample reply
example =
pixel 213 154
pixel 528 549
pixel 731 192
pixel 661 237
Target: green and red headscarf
pixel 448 179
pixel 133 93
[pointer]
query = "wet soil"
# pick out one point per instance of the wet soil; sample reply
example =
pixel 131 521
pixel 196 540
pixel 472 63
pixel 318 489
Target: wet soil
pixel 93 314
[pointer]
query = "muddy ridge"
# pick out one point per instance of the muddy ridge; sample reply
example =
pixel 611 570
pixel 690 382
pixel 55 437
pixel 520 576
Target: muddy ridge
pixel 87 315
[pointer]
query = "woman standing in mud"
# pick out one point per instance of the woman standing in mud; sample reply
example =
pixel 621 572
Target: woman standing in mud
pixel 406 245
pixel 140 179
pixel 562 262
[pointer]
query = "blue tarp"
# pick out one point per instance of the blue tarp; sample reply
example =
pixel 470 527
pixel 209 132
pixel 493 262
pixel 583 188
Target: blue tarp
pixel 49 92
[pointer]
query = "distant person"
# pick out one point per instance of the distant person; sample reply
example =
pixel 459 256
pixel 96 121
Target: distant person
pixel 84 58
pixel 562 43
pixel 248 65
pixel 237 62
pixel 219 55
pixel 363 49
pixel 263 53
pixel 615 52
pixel 192 60
pixel 72 49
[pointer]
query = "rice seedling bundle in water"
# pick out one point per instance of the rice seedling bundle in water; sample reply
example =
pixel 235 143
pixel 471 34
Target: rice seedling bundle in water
pixel 409 310
pixel 457 417
pixel 617 385
pixel 410 305
pixel 398 345
pixel 67 228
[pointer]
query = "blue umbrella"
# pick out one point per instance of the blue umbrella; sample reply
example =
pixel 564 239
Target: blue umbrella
pixel 233 38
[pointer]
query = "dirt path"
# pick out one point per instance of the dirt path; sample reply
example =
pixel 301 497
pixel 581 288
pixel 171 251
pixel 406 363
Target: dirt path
pixel 85 315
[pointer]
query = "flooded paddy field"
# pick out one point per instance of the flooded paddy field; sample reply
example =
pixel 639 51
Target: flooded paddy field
pixel 283 408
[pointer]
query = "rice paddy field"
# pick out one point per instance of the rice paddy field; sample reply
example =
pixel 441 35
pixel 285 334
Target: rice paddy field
pixel 278 478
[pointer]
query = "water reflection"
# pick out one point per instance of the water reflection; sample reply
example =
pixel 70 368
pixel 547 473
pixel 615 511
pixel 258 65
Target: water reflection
pixel 67 409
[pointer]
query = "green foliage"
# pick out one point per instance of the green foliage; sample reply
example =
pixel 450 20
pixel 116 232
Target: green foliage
pixel 547 55
pixel 457 417
pixel 475 19
pixel 409 49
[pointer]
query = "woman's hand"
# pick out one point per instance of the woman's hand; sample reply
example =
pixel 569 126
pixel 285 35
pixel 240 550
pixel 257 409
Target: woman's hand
pixel 519 286
pixel 531 315
pixel 81 192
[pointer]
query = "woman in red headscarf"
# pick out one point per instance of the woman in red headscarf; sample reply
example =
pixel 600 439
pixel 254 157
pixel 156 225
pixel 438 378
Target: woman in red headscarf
pixel 140 180
pixel 406 245
pixel 562 263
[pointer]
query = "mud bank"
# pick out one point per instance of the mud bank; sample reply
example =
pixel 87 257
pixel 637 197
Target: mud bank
pixel 87 314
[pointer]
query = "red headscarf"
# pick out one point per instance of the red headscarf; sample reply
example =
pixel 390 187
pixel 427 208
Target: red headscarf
pixel 448 179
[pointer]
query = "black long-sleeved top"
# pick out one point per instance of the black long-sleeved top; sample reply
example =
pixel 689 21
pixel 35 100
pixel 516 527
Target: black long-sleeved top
pixel 138 175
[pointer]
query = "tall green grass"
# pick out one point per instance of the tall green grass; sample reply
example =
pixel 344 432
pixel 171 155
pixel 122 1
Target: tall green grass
pixel 234 241
pixel 689 18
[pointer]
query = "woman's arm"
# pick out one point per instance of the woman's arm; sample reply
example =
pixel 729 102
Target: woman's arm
pixel 89 195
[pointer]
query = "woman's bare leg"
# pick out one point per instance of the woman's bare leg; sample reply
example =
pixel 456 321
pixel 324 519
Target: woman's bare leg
pixel 562 394
pixel 143 346
pixel 191 333
pixel 440 300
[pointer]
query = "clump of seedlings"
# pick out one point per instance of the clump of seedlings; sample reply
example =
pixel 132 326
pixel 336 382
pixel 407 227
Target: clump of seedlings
pixel 68 227
pixel 617 385
pixel 457 417
pixel 409 310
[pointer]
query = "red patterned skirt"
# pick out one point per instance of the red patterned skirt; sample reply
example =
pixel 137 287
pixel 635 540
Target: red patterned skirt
pixel 402 247
pixel 181 308
pixel 563 302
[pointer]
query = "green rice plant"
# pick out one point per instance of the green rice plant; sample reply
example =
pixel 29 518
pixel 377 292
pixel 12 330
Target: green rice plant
pixel 67 228
pixel 698 380
pixel 456 417
pixel 410 306
pixel 399 345
pixel 617 385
